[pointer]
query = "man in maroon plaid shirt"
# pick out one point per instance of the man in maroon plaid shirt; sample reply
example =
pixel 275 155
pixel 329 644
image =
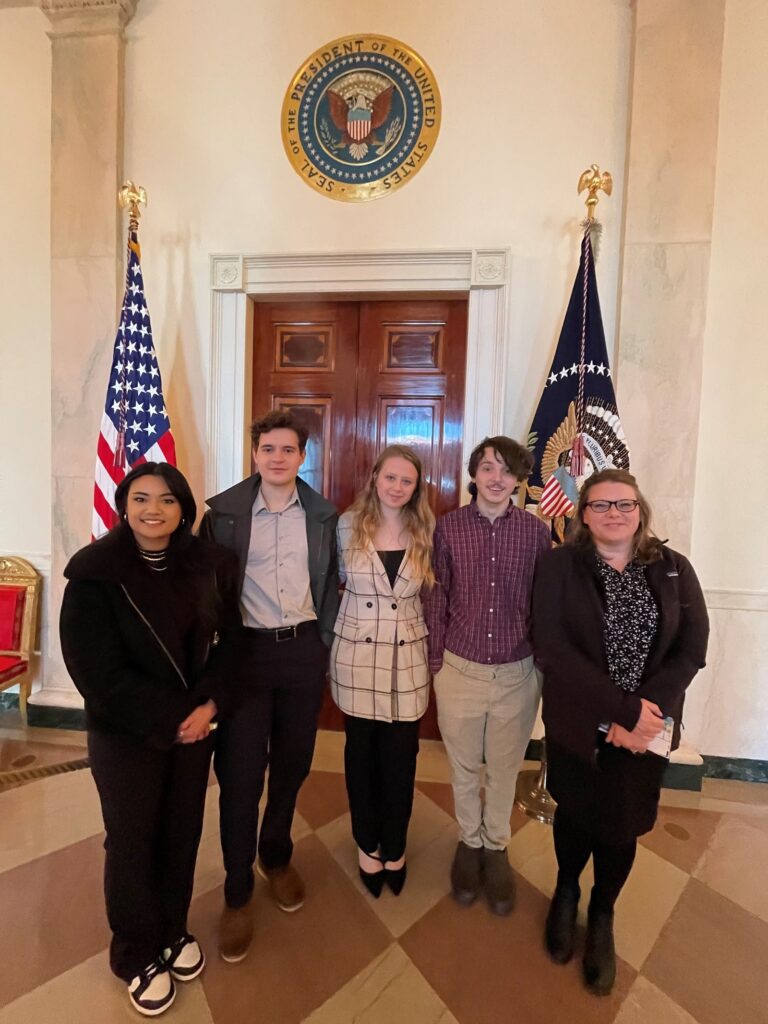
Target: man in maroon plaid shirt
pixel 480 653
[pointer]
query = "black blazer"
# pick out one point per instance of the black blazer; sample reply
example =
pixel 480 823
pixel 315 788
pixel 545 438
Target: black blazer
pixel 117 661
pixel 228 522
pixel 569 647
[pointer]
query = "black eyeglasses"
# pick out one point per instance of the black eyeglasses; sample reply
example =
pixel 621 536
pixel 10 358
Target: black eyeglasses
pixel 623 505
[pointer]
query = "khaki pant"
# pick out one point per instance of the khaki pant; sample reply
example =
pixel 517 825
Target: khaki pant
pixel 486 714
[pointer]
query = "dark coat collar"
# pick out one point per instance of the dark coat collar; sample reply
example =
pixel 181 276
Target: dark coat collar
pixel 113 557
pixel 238 500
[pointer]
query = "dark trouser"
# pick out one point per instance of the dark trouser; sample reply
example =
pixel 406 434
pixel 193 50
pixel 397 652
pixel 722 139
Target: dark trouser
pixel 152 802
pixel 612 863
pixel 274 727
pixel 380 767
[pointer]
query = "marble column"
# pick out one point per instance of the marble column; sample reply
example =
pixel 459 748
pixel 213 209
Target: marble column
pixel 87 242
pixel 675 97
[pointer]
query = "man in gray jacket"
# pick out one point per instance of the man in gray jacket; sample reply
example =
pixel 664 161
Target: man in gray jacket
pixel 284 534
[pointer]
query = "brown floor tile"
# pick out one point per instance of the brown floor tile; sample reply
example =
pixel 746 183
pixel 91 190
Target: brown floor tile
pixel 297 960
pixel 53 916
pixel 322 798
pixel 440 793
pixel 711 959
pixel 489 970
pixel 681 835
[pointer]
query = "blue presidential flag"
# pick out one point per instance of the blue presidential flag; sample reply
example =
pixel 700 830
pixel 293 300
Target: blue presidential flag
pixel 576 430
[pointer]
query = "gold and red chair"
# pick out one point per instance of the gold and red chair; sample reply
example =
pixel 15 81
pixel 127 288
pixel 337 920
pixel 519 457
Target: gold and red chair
pixel 19 601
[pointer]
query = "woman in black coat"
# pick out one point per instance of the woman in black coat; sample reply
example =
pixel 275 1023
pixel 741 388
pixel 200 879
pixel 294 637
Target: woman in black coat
pixel 620 629
pixel 148 617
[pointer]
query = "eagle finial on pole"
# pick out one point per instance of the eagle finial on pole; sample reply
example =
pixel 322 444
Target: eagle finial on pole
pixel 593 181
pixel 130 196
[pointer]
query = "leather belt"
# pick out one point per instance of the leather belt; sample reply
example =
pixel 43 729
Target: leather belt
pixel 283 633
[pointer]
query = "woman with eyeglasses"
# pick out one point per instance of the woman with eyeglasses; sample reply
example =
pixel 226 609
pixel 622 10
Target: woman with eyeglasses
pixel 620 629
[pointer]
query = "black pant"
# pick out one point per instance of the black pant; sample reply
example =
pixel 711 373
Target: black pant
pixel 275 727
pixel 612 863
pixel 152 802
pixel 380 768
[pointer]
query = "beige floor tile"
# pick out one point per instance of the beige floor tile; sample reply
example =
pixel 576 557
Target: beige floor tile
pixel 329 751
pixel 733 790
pixel 389 989
pixel 432 765
pixel 736 863
pixel 645 903
pixel 431 845
pixel 67 737
pixel 90 994
pixel 47 816
pixel 646 1004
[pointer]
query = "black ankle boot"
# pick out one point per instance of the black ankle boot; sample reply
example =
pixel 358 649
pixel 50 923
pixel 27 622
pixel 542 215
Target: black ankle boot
pixel 599 951
pixel 561 923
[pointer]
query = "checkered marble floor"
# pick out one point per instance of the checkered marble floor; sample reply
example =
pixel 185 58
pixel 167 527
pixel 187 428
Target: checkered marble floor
pixel 691 925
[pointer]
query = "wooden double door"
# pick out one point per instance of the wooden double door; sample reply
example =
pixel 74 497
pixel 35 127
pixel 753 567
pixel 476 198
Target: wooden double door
pixel 363 375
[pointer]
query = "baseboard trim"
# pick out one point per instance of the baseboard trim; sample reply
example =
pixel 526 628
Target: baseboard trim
pixel 43 716
pixel 691 776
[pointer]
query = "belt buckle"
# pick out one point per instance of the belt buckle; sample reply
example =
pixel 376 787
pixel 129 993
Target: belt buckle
pixel 282 639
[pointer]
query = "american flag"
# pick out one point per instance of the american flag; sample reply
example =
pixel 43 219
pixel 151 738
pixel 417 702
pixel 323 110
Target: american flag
pixel 134 427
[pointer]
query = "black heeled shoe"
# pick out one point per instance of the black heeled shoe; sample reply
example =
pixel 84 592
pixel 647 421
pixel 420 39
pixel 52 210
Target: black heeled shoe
pixel 395 878
pixel 372 880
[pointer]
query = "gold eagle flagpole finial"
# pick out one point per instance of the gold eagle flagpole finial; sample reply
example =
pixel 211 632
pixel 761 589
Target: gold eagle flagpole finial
pixel 130 196
pixel 593 181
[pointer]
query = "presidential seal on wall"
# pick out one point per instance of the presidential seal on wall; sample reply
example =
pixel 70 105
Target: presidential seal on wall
pixel 360 117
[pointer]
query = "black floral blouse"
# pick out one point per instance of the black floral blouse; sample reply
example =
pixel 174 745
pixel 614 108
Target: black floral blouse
pixel 631 622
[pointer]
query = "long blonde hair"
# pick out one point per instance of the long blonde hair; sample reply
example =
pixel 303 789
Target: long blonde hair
pixel 645 544
pixel 418 518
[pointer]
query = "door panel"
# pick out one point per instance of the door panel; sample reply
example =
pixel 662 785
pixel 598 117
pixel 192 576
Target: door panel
pixel 411 388
pixel 363 376
pixel 304 356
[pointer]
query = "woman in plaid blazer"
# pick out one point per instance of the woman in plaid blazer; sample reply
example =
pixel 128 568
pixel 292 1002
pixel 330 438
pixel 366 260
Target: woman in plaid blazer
pixel 378 666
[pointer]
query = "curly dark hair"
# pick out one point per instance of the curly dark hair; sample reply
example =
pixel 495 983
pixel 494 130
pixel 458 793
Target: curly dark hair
pixel 517 458
pixel 279 419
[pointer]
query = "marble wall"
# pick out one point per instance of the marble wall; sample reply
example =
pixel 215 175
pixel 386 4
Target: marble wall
pixel 86 268
pixel 667 244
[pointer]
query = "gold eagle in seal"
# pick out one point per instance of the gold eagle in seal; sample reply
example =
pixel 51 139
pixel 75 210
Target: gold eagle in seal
pixel 360 103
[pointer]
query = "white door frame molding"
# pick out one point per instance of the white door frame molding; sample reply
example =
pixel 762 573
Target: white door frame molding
pixel 237 279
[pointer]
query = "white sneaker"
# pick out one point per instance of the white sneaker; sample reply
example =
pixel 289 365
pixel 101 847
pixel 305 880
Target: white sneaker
pixel 184 958
pixel 152 990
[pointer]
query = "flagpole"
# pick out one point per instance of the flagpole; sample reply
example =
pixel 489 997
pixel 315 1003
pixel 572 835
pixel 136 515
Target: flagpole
pixel 531 794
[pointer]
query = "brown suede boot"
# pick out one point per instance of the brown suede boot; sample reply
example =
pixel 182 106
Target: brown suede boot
pixel 235 932
pixel 285 886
